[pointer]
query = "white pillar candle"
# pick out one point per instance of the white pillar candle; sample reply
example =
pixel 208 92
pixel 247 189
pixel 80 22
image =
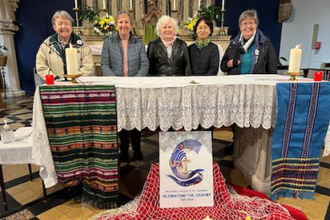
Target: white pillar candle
pixel 104 5
pixel 207 218
pixel 130 4
pixel 174 3
pixel 75 3
pixel 295 59
pixel 199 3
pixel 71 60
pixel 223 5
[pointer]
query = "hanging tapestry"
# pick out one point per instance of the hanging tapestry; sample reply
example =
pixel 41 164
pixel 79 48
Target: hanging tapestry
pixel 302 122
pixel 81 123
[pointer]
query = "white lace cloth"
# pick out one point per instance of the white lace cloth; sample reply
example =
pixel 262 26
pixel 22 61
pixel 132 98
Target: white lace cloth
pixel 18 151
pixel 180 102
pixel 41 153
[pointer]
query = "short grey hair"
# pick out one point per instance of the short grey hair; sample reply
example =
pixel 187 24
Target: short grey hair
pixel 249 14
pixel 165 19
pixel 62 14
pixel 124 13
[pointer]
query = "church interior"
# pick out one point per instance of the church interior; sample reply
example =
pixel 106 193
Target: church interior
pixel 25 24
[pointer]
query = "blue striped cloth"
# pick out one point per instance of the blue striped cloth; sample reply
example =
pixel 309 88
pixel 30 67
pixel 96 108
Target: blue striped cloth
pixel 302 122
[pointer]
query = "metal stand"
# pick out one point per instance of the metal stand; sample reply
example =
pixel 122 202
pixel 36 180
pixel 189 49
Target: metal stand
pixel 222 29
pixel 3 75
pixel 76 10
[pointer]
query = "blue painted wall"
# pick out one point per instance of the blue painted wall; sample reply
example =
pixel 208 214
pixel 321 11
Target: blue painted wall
pixel 36 15
pixel 267 13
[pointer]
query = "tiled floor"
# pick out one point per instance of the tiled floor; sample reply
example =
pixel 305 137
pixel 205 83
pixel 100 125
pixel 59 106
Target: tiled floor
pixel 26 199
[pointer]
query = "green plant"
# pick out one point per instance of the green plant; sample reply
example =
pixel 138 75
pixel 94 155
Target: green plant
pixel 89 14
pixel 3 49
pixel 210 12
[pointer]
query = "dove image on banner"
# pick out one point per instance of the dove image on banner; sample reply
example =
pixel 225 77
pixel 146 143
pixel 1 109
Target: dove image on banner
pixel 186 171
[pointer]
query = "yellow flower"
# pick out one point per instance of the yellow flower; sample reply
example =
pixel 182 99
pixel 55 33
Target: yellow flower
pixel 190 27
pixel 101 22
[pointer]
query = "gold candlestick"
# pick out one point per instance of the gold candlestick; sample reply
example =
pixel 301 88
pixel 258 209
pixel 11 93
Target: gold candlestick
pixel 222 29
pixel 293 75
pixel 76 10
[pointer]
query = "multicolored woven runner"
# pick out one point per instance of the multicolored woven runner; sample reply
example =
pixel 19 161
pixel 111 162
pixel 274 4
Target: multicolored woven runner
pixel 81 123
pixel 302 122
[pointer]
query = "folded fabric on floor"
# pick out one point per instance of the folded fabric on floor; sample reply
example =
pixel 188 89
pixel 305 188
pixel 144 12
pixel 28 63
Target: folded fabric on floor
pixel 302 122
pixel 226 205
pixel 81 123
pixel 295 213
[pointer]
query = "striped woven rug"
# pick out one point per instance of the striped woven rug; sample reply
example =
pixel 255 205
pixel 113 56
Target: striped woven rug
pixel 81 123
pixel 302 122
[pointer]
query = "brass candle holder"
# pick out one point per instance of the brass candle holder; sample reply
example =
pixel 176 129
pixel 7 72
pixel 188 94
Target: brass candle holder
pixel 222 29
pixel 76 10
pixel 293 75
pixel 73 77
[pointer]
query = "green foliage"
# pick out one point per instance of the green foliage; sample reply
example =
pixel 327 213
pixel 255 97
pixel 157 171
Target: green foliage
pixel 212 11
pixel 3 49
pixel 89 14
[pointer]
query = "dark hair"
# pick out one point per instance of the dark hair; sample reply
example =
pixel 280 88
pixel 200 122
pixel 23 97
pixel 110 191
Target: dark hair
pixel 208 22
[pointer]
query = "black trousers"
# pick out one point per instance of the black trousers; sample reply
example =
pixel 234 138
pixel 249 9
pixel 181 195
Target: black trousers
pixel 125 136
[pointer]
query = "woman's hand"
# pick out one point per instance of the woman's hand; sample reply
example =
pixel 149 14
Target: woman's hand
pixel 230 63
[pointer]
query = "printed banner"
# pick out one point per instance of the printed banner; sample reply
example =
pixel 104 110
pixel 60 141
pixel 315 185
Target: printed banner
pixel 186 171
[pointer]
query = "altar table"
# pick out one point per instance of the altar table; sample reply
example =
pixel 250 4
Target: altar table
pixel 16 152
pixel 249 101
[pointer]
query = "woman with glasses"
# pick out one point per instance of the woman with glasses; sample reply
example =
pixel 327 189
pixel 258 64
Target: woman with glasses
pixel 203 54
pixel 250 51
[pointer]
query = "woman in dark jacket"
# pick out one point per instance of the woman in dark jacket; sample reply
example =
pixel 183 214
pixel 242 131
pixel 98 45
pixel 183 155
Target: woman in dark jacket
pixel 203 54
pixel 168 55
pixel 251 51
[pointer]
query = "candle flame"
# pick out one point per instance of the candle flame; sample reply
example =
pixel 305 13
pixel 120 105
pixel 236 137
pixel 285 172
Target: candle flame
pixel 298 46
pixel 71 45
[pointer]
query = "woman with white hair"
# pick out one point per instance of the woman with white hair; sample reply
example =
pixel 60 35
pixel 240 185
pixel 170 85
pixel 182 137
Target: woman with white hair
pixel 168 55
pixel 51 55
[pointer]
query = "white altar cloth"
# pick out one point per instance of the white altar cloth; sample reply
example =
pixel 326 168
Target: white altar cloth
pixel 180 102
pixel 17 152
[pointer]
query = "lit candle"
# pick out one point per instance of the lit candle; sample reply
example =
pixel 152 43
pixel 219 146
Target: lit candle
pixel 130 4
pixel 174 3
pixel 71 60
pixel 104 5
pixel 199 3
pixel 295 59
pixel 207 218
pixel 223 5
pixel 75 3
